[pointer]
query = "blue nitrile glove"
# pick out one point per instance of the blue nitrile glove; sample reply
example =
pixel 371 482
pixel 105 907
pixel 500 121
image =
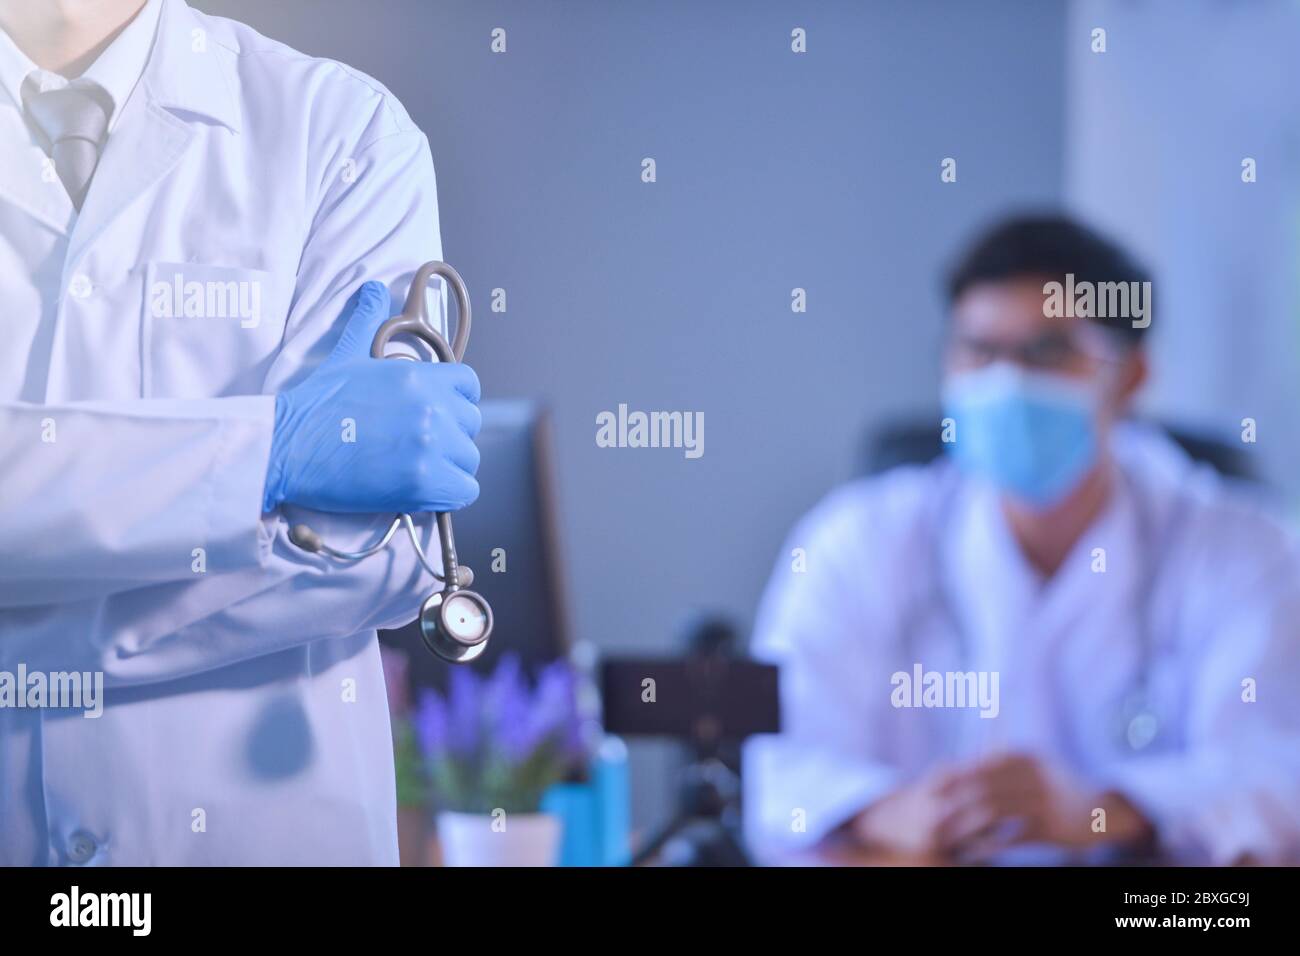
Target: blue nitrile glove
pixel 411 447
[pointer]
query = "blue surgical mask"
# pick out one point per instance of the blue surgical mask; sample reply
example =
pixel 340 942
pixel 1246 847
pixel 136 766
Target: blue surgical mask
pixel 1031 434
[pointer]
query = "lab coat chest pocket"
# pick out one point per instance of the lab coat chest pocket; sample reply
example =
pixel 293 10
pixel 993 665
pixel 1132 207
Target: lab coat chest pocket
pixel 210 330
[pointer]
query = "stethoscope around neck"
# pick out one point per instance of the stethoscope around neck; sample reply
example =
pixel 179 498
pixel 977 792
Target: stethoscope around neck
pixel 455 623
pixel 1138 723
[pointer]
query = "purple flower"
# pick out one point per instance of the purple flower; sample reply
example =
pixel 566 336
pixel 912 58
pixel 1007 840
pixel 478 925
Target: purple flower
pixel 504 690
pixel 499 741
pixel 506 705
pixel 554 714
pixel 465 712
pixel 431 724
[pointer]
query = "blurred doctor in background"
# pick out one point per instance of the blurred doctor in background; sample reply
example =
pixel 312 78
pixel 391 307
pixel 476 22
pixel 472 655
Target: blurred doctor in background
pixel 1063 641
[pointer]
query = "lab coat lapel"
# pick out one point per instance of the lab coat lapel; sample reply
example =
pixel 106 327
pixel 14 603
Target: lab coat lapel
pixel 1097 601
pixel 145 146
pixel 993 596
pixel 186 76
pixel 995 589
pixel 1073 629
pixel 1098 577
pixel 27 177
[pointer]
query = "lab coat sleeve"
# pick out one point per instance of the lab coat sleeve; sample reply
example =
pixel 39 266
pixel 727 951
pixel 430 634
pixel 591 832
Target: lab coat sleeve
pixel 817 622
pixel 100 497
pixel 377 219
pixel 1232 792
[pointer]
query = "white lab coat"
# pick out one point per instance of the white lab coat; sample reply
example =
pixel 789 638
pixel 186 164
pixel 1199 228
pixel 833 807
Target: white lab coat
pixel 246 719
pixel 1224 600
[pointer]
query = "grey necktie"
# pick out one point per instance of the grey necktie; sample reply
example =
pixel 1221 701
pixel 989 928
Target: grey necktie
pixel 73 119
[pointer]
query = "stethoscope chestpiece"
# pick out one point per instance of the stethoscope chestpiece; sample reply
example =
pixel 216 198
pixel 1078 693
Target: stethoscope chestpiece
pixel 455 624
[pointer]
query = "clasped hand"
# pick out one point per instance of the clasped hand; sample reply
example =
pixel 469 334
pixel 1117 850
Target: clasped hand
pixel 973 811
pixel 368 435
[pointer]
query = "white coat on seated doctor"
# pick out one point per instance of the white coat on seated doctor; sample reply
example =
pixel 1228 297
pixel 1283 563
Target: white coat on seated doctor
pixel 1139 618
pixel 246 720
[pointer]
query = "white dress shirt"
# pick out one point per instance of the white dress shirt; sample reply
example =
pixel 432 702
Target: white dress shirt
pixel 115 73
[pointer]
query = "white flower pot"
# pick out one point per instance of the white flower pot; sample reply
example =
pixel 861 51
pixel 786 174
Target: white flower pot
pixel 509 839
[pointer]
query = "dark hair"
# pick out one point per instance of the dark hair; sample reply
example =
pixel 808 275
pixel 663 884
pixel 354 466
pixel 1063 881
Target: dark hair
pixel 1047 247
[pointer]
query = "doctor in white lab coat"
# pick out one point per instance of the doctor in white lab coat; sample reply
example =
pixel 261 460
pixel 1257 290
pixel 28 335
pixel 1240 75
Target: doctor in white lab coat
pixel 1064 641
pixel 245 718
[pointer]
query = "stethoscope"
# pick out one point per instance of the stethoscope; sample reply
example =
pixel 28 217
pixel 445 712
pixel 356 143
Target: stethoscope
pixel 1138 722
pixel 455 623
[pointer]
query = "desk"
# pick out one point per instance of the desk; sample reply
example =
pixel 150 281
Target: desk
pixel 841 852
pixel 846 853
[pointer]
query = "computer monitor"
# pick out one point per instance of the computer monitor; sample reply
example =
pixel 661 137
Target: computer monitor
pixel 509 538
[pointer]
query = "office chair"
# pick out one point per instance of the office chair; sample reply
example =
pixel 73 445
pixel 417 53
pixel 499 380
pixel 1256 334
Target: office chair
pixel 917 442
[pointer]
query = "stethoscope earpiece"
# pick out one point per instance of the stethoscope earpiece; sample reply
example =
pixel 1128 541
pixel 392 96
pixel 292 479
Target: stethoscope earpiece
pixel 455 623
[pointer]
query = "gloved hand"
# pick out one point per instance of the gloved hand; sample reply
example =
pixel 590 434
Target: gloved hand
pixel 411 447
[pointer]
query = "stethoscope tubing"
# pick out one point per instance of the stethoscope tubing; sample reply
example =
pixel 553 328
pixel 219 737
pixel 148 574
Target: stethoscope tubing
pixel 414 321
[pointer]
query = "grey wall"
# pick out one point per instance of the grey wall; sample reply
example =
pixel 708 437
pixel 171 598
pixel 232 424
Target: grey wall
pixel 775 170
pixel 1158 127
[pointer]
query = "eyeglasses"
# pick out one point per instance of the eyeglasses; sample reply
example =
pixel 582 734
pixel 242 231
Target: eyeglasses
pixel 1078 350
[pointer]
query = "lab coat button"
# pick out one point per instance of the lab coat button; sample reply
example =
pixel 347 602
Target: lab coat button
pixel 80 286
pixel 81 847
